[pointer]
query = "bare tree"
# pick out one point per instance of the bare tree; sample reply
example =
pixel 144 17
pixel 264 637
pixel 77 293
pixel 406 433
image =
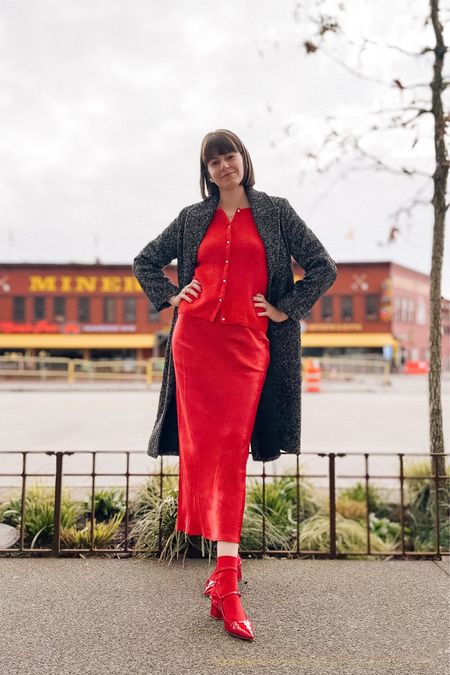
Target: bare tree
pixel 418 99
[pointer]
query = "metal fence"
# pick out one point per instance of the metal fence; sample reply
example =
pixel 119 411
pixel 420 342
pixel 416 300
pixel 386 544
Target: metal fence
pixel 71 370
pixel 51 368
pixel 433 486
pixel 338 368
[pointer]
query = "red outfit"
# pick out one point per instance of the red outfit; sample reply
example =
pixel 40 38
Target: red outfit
pixel 221 353
pixel 231 268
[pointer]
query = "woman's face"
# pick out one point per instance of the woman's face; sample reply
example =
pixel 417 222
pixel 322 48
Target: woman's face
pixel 227 171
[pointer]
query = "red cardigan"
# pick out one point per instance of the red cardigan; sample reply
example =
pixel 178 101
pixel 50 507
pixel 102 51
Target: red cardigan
pixel 231 268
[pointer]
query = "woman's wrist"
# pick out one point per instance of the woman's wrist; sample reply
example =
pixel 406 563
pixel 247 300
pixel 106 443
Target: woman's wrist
pixel 282 316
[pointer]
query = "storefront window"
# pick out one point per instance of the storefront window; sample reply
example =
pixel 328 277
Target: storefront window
pixel 19 309
pixel 404 310
pixel 326 308
pixel 59 309
pixel 84 307
pixel 38 308
pixel 347 308
pixel 129 310
pixel 421 315
pixel 371 308
pixel 109 310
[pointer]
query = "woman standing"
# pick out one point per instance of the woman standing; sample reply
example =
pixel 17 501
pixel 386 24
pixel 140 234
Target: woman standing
pixel 221 355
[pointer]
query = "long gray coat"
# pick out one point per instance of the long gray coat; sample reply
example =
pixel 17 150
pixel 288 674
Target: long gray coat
pixel 284 234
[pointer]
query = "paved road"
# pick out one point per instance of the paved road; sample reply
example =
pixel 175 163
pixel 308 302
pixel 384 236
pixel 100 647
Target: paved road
pixel 135 617
pixel 343 417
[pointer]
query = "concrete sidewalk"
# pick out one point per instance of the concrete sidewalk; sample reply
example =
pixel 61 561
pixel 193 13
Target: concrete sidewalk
pixel 399 383
pixel 130 616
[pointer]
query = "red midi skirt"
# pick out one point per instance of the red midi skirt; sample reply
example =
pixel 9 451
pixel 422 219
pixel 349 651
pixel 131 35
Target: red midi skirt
pixel 220 371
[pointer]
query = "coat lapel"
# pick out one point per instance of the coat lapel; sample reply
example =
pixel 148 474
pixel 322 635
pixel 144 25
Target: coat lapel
pixel 265 216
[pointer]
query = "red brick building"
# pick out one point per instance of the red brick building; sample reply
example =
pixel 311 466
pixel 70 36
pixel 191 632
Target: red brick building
pixel 99 311
pixel 376 307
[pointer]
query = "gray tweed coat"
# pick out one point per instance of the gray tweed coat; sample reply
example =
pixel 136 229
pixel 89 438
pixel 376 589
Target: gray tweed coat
pixel 284 234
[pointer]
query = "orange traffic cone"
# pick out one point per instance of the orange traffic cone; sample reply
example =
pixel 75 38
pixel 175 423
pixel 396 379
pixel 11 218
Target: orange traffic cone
pixel 416 367
pixel 312 371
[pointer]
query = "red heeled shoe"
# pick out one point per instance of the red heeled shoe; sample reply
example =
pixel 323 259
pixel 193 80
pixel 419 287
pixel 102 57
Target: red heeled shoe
pixel 210 582
pixel 243 628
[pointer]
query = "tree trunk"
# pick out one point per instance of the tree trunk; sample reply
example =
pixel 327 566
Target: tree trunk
pixel 440 208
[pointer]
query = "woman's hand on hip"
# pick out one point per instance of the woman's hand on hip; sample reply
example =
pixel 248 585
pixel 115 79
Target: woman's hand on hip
pixel 272 312
pixel 186 293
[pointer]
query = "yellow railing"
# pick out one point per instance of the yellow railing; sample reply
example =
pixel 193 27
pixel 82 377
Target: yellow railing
pixel 346 368
pixel 76 370
pixel 150 370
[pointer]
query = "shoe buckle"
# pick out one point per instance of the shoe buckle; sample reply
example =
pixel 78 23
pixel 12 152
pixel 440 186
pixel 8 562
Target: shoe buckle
pixel 222 597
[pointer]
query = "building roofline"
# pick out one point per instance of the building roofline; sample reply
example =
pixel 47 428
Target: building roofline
pixel 126 264
pixel 100 265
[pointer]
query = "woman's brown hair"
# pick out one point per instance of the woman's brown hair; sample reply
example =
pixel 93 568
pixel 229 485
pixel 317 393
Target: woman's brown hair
pixel 220 142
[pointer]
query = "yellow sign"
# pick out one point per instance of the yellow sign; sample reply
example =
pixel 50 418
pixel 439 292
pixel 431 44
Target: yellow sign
pixel 327 327
pixel 83 284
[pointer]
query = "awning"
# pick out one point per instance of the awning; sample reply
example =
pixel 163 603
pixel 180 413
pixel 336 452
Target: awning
pixel 78 341
pixel 146 341
pixel 347 339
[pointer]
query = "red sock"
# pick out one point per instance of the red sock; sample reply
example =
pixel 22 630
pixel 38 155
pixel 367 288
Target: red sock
pixel 226 582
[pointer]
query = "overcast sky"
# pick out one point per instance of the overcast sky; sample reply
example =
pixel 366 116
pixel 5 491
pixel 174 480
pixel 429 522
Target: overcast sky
pixel 104 106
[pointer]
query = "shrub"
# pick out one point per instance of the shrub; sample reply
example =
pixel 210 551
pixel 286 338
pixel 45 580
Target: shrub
pixel 350 536
pixel 108 503
pixel 104 533
pixel 39 513
pixel 351 508
pixel 357 492
pixel 418 475
pixel 150 513
pixel 421 517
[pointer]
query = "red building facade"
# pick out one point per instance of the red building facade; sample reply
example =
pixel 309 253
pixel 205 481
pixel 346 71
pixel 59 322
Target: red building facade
pixel 376 307
pixel 99 311
pixel 84 311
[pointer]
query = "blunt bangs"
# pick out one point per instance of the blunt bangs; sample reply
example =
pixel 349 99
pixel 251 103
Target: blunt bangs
pixel 221 142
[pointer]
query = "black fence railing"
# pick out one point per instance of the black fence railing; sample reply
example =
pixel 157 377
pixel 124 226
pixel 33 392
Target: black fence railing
pixel 413 522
